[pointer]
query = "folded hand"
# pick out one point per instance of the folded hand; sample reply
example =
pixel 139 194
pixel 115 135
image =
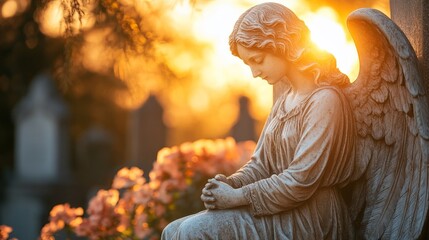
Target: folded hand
pixel 219 195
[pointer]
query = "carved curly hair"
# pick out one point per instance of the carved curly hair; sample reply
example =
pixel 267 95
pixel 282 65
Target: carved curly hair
pixel 274 27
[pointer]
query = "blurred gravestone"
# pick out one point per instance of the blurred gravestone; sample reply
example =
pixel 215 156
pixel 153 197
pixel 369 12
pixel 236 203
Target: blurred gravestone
pixel 41 166
pixel 147 134
pixel 96 166
pixel 41 134
pixel 244 128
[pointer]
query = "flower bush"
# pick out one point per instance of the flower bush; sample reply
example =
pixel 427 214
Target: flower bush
pixel 138 209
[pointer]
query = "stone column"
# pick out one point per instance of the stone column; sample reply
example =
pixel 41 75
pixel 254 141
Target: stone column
pixel 412 17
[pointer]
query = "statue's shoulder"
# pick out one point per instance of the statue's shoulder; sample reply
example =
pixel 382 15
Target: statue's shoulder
pixel 327 95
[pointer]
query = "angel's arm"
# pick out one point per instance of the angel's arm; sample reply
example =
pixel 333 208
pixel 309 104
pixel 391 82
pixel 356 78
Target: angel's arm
pixel 320 158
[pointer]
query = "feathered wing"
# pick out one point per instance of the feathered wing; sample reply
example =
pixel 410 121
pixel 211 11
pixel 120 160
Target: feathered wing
pixel 390 104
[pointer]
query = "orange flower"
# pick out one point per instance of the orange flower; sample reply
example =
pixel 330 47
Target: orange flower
pixel 64 213
pixel 4 232
pixel 48 231
pixel 60 216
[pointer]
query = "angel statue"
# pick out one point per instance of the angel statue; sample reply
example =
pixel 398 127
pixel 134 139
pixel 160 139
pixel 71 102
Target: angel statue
pixel 335 160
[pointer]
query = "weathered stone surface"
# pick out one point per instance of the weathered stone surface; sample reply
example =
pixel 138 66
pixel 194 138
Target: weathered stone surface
pixel 324 137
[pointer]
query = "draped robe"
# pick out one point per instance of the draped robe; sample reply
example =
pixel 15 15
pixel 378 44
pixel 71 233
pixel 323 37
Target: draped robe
pixel 292 182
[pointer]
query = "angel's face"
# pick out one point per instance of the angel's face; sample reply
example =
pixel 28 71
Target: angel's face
pixel 264 64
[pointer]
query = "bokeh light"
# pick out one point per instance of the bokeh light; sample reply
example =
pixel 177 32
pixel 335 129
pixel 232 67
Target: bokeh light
pixel 12 8
pixel 51 19
pixel 9 9
pixel 192 73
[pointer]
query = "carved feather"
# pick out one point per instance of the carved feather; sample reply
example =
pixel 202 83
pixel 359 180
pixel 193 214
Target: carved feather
pixel 391 110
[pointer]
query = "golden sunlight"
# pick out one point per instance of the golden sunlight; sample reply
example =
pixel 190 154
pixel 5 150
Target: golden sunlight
pixel 52 23
pixel 221 71
pixel 201 98
pixel 221 77
pixel 329 35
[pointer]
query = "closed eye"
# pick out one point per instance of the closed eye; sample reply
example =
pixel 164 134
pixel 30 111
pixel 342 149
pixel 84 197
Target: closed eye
pixel 257 59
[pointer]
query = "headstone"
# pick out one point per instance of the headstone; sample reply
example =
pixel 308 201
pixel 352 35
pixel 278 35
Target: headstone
pixel 147 134
pixel 41 134
pixel 244 128
pixel 23 213
pixel 41 163
pixel 95 163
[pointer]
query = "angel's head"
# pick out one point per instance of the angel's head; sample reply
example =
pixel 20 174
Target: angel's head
pixel 273 28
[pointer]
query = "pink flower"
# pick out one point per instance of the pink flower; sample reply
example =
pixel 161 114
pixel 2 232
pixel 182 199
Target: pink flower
pixel 141 209
pixel 128 177
pixel 159 210
pixel 141 226
pixel 169 164
pixel 167 187
pixel 103 220
pixel 244 151
pixel 143 194
pixel 124 209
pixel 4 232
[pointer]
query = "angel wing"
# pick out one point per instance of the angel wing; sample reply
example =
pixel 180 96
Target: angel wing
pixel 390 104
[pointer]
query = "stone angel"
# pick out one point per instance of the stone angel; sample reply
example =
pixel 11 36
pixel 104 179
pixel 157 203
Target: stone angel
pixel 335 160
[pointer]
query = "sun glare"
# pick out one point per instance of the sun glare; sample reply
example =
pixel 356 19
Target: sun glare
pixel 213 24
pixel 329 35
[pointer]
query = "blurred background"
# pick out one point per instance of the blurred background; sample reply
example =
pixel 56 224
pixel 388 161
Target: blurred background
pixel 88 86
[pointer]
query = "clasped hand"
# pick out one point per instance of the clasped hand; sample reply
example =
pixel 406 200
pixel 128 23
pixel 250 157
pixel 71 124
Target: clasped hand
pixel 218 194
